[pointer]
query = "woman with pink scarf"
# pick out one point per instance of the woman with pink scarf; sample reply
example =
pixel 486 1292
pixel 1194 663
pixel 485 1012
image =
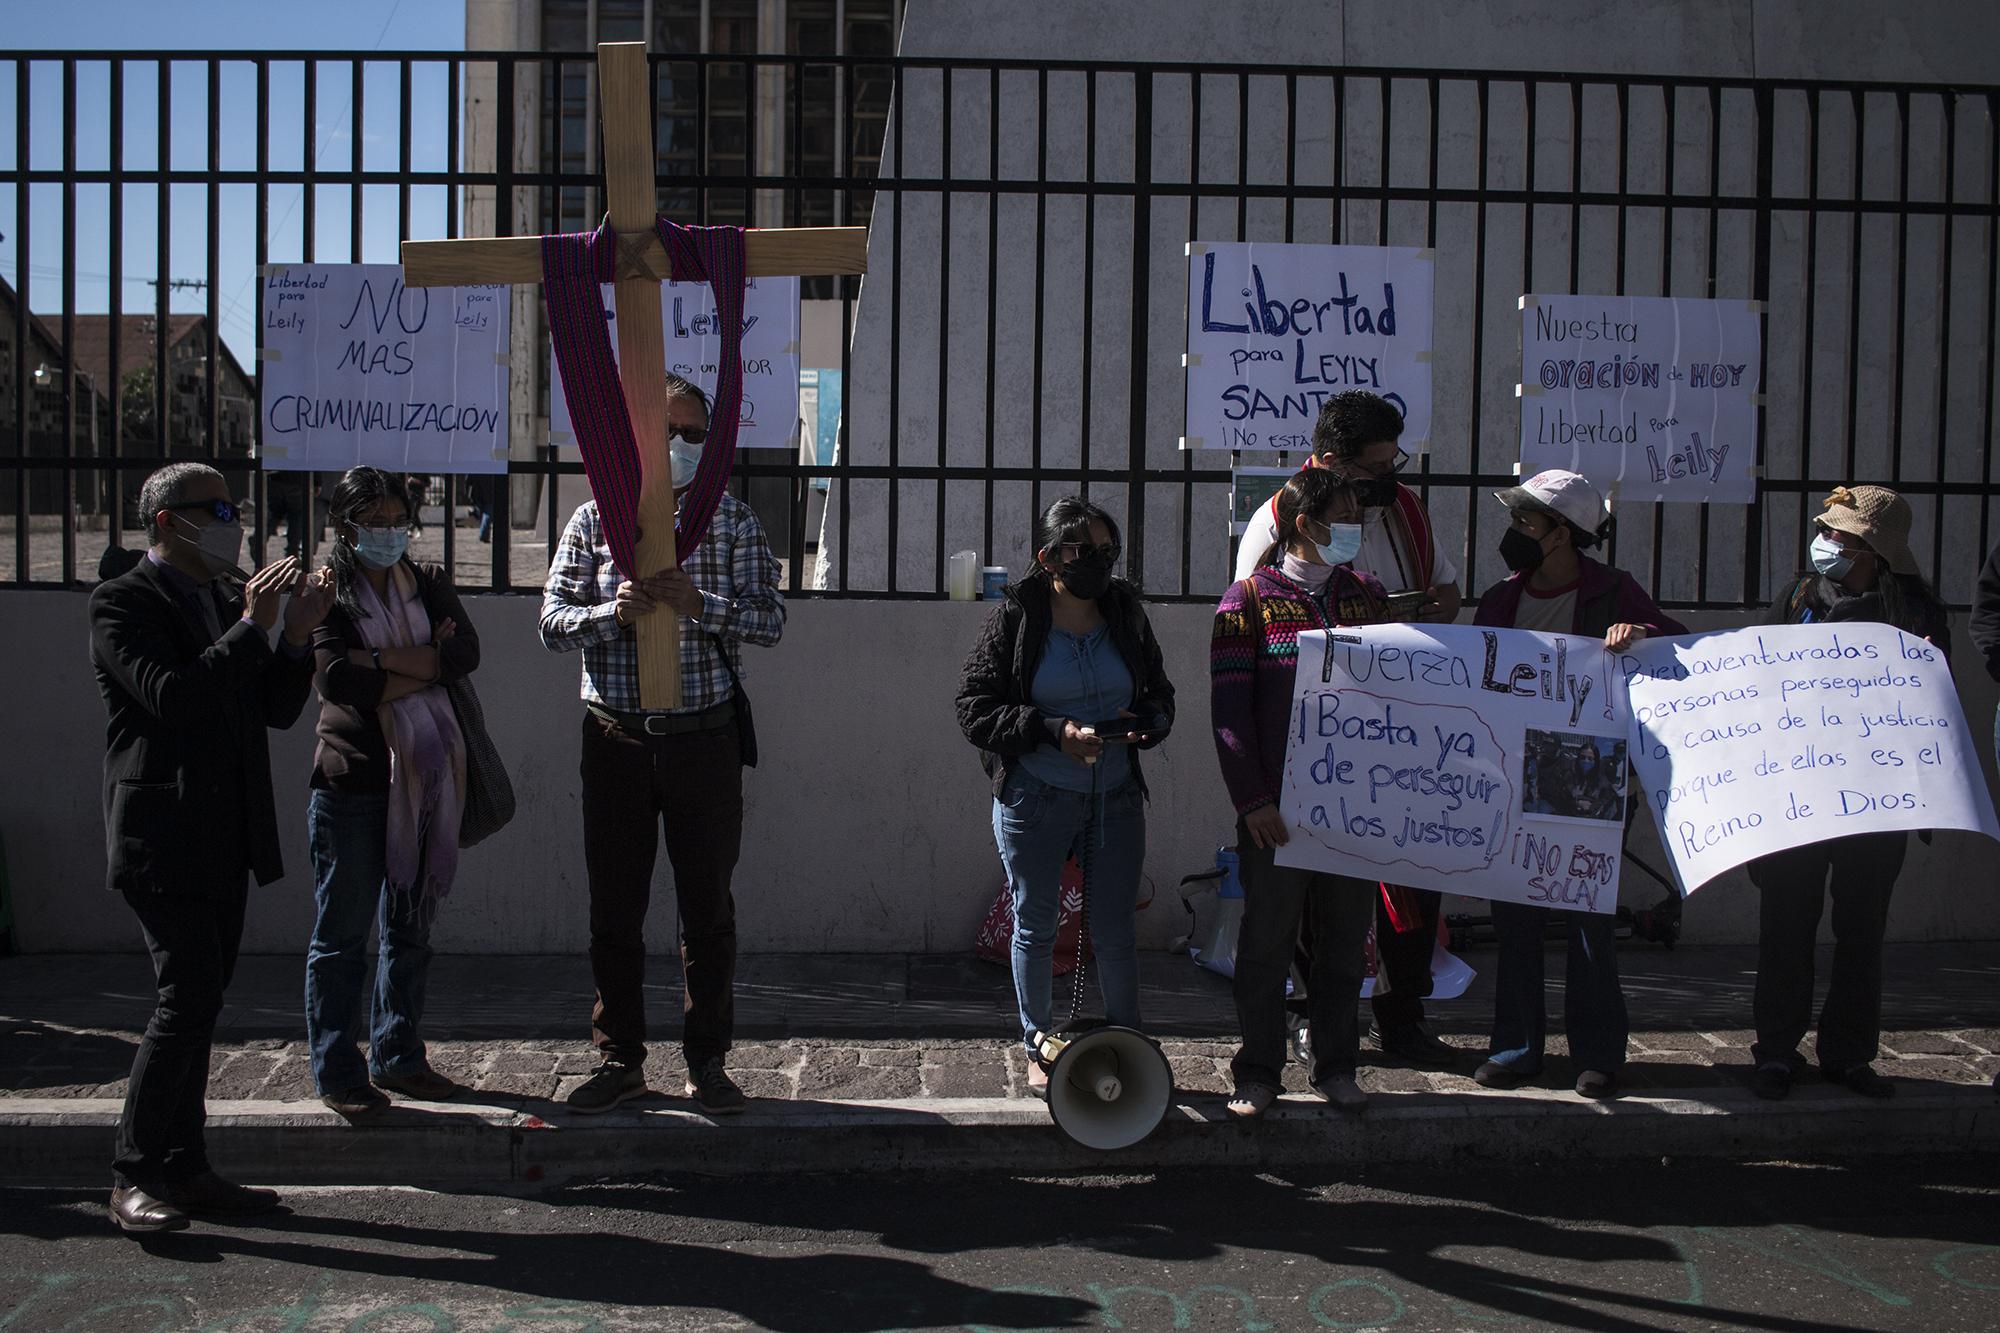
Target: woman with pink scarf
pixel 388 793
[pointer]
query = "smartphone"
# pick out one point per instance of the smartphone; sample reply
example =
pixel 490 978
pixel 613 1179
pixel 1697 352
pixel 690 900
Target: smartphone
pixel 1405 605
pixel 1126 731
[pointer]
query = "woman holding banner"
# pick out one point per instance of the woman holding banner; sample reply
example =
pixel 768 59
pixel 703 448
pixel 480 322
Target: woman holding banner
pixel 1065 686
pixel 1304 581
pixel 1862 570
pixel 1554 517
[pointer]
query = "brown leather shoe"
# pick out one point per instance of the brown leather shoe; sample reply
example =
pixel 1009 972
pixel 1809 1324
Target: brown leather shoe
pixel 424 1085
pixel 139 1213
pixel 210 1193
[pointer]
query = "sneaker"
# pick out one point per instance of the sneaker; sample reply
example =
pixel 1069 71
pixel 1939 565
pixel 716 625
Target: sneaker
pixel 611 1084
pixel 355 1104
pixel 1772 1080
pixel 1413 1043
pixel 424 1085
pixel 1342 1091
pixel 1597 1084
pixel 1493 1074
pixel 1250 1101
pixel 1298 1040
pixel 713 1090
pixel 1862 1079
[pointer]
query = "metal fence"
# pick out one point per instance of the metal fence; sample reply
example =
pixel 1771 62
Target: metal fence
pixel 1864 217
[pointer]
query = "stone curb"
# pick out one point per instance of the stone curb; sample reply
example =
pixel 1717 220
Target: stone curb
pixel 68 1142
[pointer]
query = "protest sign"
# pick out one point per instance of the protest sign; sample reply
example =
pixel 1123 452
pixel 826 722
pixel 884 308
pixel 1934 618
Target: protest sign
pixel 1653 395
pixel 1754 740
pixel 359 369
pixel 770 356
pixel 1487 762
pixel 1276 330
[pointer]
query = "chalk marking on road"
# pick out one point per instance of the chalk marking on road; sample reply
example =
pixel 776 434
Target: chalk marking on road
pixel 1829 1267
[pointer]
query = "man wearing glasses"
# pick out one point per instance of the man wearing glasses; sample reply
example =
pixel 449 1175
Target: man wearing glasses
pixel 680 769
pixel 191 680
pixel 1356 436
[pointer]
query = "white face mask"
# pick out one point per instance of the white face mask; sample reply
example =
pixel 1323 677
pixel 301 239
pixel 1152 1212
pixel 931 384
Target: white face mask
pixel 220 544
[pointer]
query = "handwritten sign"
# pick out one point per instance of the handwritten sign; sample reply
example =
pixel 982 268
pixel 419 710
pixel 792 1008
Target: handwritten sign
pixel 1754 740
pixel 1486 762
pixel 1653 394
pixel 770 356
pixel 359 369
pixel 1276 330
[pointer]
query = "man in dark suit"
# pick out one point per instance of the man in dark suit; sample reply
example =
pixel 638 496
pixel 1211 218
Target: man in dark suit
pixel 191 681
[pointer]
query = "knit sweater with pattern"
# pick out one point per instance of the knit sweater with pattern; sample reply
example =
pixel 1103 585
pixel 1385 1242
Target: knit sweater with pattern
pixel 1251 664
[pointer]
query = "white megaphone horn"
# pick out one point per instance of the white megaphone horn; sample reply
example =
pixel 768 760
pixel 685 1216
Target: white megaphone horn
pixel 1109 1087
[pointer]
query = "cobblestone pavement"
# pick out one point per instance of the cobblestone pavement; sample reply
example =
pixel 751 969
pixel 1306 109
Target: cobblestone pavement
pixel 893 1026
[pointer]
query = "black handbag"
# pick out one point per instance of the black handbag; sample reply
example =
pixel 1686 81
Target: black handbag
pixel 489 795
pixel 746 726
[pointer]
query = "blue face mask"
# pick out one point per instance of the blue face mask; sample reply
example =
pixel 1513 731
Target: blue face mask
pixel 1343 543
pixel 1829 559
pixel 379 548
pixel 685 458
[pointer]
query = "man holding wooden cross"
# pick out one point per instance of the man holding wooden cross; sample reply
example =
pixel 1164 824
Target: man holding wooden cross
pixel 666 728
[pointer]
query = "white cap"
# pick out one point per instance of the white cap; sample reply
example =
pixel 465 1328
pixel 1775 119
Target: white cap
pixel 1567 495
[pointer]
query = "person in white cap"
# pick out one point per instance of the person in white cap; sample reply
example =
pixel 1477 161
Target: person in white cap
pixel 1862 570
pixel 1555 516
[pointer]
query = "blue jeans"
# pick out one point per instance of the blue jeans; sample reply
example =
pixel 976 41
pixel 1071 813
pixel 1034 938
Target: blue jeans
pixel 1037 827
pixel 1593 1003
pixel 349 833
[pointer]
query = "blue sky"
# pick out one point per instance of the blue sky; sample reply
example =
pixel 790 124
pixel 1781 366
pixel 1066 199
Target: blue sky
pixel 201 26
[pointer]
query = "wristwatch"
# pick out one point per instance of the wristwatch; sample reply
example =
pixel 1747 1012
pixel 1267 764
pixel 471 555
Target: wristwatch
pixel 376 653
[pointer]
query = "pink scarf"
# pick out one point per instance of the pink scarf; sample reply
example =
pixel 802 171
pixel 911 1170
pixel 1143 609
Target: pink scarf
pixel 426 750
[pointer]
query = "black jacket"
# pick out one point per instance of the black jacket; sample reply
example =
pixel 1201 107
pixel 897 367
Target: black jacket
pixel 1986 613
pixel 187 766
pixel 352 755
pixel 1830 603
pixel 996 708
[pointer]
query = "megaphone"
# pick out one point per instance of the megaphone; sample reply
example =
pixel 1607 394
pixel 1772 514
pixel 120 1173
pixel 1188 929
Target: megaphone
pixel 1109 1087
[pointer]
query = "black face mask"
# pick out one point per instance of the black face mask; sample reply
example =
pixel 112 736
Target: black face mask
pixel 1087 577
pixel 1375 492
pixel 1522 553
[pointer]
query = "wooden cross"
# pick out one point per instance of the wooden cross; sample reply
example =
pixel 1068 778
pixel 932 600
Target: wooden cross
pixel 630 183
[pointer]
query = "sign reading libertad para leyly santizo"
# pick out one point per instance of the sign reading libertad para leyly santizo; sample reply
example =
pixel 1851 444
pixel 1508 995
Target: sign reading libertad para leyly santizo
pixel 1652 397
pixel 1275 330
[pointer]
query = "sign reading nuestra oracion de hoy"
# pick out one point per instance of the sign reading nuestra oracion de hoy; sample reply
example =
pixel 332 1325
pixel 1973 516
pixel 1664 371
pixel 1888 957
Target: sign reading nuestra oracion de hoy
pixel 1652 396
pixel 1276 330
pixel 359 369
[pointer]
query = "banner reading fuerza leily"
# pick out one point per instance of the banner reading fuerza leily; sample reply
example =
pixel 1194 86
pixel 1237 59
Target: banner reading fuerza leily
pixel 1486 762
pixel 1751 741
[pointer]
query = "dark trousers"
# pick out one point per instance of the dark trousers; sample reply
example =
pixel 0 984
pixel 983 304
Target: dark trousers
pixel 1593 1002
pixel 692 786
pixel 193 939
pixel 1795 885
pixel 1403 961
pixel 1338 909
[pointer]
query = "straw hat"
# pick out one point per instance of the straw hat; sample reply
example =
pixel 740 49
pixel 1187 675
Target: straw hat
pixel 1878 516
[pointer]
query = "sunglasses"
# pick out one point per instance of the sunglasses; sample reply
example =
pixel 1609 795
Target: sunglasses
pixel 1392 468
pixel 691 434
pixel 224 511
pixel 1109 552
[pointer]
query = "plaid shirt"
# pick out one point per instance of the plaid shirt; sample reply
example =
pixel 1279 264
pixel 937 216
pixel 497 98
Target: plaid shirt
pixel 735 573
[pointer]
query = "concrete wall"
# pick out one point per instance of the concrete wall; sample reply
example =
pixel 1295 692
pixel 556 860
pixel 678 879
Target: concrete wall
pixel 1065 390
pixel 868 825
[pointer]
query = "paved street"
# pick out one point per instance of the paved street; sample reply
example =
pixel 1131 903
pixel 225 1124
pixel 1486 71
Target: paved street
pixel 1893 1245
